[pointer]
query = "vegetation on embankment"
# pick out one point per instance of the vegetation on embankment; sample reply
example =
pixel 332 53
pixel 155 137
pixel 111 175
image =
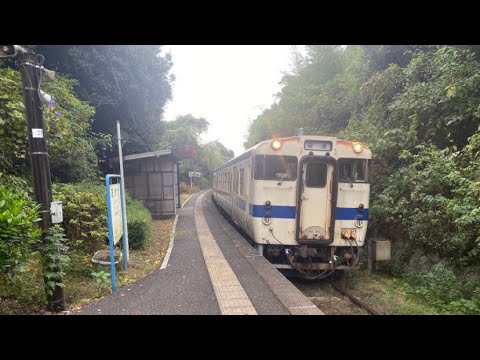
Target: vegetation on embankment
pixel 95 86
pixel 418 109
pixel 85 226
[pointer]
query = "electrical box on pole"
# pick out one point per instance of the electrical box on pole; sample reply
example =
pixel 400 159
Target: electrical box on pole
pixel 56 210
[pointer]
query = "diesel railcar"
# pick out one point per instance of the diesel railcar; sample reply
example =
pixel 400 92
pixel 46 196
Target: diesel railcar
pixel 302 200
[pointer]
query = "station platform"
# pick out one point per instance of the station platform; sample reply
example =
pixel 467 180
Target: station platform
pixel 210 270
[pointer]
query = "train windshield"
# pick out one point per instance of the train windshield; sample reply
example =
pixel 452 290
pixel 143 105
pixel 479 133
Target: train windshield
pixel 275 167
pixel 353 170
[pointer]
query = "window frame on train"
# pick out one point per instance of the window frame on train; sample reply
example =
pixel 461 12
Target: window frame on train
pixel 261 163
pixel 309 175
pixel 351 179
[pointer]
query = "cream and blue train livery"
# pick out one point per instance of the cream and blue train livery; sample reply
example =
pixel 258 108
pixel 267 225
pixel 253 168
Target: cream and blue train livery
pixel 303 200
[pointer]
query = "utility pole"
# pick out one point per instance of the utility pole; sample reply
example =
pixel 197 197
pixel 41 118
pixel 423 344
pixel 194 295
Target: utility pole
pixel 31 69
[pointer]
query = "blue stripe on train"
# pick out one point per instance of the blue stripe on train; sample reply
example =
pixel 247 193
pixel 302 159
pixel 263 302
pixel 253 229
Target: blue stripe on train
pixel 279 212
pixel 289 212
pixel 351 214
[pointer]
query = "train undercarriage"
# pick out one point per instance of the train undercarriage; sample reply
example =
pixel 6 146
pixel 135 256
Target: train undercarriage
pixel 311 263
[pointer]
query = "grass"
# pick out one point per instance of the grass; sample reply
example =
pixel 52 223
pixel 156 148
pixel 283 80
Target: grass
pixel 184 197
pixel 25 295
pixel 187 192
pixel 386 294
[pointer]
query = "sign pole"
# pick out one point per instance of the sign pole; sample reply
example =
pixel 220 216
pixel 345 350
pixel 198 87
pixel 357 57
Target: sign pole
pixel 116 217
pixel 110 232
pixel 124 205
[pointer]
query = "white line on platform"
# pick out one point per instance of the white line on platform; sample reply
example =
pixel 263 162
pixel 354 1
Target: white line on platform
pixel 187 200
pixel 170 246
pixel 230 294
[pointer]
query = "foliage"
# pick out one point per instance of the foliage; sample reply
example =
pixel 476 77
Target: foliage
pixel 52 251
pixel 71 144
pixel 442 288
pixel 139 224
pixel 128 83
pixel 24 293
pixel 320 95
pixel 418 109
pixel 186 130
pixel 18 230
pixel 186 189
pixel 86 221
pixel 101 276
pixel 210 156
pixel 426 142
pixel 84 215
pixel 17 184
pixel 13 134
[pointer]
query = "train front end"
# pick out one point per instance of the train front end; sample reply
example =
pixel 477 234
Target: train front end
pixel 314 220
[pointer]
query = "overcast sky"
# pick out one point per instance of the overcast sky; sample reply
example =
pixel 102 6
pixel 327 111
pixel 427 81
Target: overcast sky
pixel 229 85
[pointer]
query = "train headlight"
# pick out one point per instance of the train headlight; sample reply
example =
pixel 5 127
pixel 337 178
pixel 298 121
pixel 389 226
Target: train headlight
pixel 276 144
pixel 358 147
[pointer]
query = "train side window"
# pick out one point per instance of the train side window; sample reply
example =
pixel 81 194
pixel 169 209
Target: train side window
pixel 259 167
pixel 353 170
pixel 235 180
pixel 316 175
pixel 276 167
pixel 242 179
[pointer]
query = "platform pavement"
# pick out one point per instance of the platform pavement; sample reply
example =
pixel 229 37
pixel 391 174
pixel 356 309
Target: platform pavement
pixel 233 280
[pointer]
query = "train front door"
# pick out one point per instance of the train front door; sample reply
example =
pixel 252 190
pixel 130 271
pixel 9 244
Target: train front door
pixel 315 200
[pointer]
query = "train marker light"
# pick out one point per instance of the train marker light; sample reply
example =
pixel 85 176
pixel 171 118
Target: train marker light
pixel 276 144
pixel 358 147
pixel 349 234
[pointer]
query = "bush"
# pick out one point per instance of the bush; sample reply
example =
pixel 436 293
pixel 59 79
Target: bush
pixel 139 223
pixel 84 215
pixel 17 184
pixel 186 189
pixel 18 230
pixel 438 285
pixel 71 143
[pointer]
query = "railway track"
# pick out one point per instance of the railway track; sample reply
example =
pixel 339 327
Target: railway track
pixel 355 300
pixel 322 294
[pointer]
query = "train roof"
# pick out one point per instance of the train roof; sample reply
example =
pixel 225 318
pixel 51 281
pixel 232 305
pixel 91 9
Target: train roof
pixel 340 143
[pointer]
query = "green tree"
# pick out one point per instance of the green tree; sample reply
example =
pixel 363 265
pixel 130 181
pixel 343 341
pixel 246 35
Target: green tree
pixel 186 130
pixel 71 143
pixel 128 83
pixel 418 109
pixel 319 95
